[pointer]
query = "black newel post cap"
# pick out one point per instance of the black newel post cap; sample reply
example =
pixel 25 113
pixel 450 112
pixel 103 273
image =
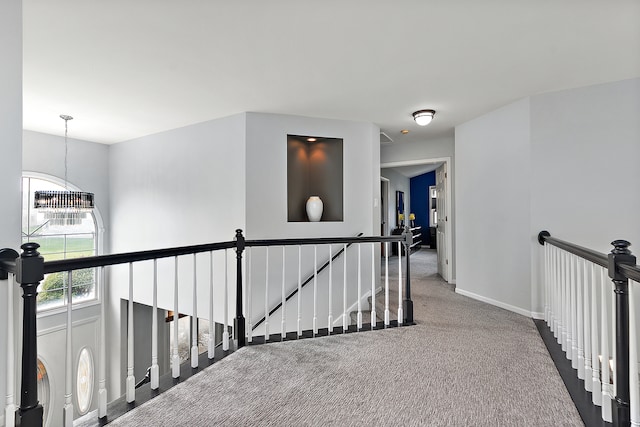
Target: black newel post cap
pixel 542 236
pixel 7 254
pixel 30 265
pixel 620 254
pixel 239 240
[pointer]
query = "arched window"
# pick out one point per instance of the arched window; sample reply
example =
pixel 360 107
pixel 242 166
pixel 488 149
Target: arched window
pixel 60 237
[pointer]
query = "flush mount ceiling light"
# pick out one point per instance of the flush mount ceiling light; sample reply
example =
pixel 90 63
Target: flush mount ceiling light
pixel 64 207
pixel 311 139
pixel 423 117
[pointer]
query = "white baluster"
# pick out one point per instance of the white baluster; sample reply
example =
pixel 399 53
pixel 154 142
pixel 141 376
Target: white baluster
pixel 266 296
pixel 373 286
pixel 359 300
pixel 315 290
pixel 299 291
pixel 607 390
pixel 552 287
pixel 283 331
pixel 586 304
pixel 131 380
pixel 575 327
pixel 67 412
pixel 330 319
pixel 555 293
pixel 10 407
pixel 634 380
pixel 570 310
pixel 194 317
pixel 345 323
pixel 225 334
pixel 175 359
pixel 155 369
pixel 581 281
pixel 400 313
pixel 386 284
pixel 249 306
pixel 596 388
pixel 211 345
pixel 563 308
pixel 547 286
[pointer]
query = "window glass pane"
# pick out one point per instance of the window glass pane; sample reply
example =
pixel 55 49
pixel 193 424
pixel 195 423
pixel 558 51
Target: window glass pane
pixel 84 381
pixel 59 237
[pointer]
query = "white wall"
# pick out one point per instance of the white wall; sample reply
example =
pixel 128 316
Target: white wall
pixel 493 206
pixel 181 187
pixel 585 154
pixel 88 166
pixel 11 158
pixel 566 162
pixel 266 199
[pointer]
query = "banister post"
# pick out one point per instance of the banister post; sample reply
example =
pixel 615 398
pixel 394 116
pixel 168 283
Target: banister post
pixel 621 255
pixel 29 273
pixel 240 321
pixel 407 303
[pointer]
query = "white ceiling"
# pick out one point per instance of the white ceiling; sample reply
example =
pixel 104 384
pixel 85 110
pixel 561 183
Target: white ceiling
pixel 125 69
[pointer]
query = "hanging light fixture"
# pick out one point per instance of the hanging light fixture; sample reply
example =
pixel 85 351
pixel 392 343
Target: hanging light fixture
pixel 64 207
pixel 423 117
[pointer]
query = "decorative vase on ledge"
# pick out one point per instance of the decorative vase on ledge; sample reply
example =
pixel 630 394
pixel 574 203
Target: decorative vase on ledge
pixel 314 208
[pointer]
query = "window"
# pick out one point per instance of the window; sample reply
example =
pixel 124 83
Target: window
pixel 84 381
pixel 59 237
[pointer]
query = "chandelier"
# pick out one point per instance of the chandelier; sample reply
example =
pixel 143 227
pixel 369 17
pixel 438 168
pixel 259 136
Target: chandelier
pixel 64 207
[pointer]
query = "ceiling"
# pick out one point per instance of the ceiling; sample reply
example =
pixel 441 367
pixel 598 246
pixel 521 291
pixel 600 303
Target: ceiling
pixel 126 69
pixel 414 170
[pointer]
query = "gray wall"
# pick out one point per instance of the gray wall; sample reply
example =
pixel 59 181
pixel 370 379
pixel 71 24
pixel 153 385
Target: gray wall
pixel 266 201
pixel 563 161
pixel 88 167
pixel 493 206
pixel 11 158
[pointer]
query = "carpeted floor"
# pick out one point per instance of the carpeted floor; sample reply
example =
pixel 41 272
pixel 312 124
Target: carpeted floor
pixel 465 363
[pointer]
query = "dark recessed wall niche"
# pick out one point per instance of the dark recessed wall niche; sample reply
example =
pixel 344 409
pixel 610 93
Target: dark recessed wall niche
pixel 314 169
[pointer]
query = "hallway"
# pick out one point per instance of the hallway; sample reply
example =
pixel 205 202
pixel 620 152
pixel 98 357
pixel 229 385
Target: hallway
pixel 463 363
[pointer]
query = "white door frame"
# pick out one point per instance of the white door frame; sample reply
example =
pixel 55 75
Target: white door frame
pixel 447 162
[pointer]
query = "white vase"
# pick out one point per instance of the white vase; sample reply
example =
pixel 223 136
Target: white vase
pixel 314 208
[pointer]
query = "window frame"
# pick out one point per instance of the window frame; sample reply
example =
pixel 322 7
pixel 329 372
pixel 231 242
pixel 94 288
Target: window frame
pixel 97 244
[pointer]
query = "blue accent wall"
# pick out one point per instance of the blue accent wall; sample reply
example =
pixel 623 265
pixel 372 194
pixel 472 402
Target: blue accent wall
pixel 419 188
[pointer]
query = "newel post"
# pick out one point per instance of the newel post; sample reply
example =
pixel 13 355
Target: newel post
pixel 240 322
pixel 407 303
pixel 29 273
pixel 621 255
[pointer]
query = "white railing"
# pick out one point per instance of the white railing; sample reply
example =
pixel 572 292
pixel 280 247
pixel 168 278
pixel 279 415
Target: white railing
pixel 275 289
pixel 585 310
pixel 192 275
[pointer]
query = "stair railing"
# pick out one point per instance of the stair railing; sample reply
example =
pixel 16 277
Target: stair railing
pixel 267 288
pixel 28 269
pixel 305 282
pixel 594 323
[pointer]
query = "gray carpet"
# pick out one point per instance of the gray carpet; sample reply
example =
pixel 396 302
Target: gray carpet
pixel 466 363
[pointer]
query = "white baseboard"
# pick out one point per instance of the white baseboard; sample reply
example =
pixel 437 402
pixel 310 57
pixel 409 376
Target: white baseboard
pixel 452 281
pixel 537 316
pixel 500 304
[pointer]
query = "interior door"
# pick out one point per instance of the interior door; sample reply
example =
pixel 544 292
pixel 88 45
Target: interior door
pixel 443 217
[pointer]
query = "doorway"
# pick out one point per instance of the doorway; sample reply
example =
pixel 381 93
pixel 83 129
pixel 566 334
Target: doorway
pixel 384 208
pixel 443 230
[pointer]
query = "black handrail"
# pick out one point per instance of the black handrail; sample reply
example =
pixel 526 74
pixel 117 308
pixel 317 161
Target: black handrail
pixel 586 253
pixel 302 285
pixel 621 266
pixel 29 269
pixel 127 257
